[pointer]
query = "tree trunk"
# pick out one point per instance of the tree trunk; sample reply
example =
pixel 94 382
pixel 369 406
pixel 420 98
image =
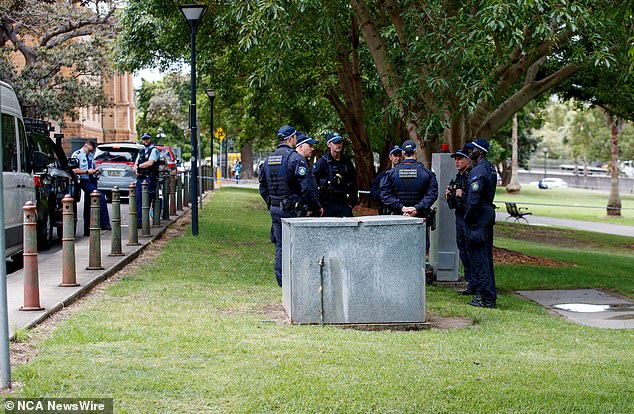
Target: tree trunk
pixel 514 186
pixel 246 155
pixel 614 200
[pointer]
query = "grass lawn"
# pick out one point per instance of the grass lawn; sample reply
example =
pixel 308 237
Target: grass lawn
pixel 187 333
pixel 571 203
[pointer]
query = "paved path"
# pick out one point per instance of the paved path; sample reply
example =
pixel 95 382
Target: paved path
pixel 607 228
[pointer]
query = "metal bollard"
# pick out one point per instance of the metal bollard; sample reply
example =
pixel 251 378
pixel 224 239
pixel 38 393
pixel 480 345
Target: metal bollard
pixel 166 199
pixel 179 193
pixel 156 208
pixel 186 189
pixel 115 241
pixel 31 275
pixel 69 272
pixel 133 228
pixel 172 195
pixel 94 250
pixel 145 210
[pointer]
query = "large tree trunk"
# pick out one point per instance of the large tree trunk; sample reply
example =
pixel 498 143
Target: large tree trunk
pixel 246 155
pixel 614 200
pixel 514 186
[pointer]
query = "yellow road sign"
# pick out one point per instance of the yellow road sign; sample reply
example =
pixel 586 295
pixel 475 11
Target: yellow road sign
pixel 219 134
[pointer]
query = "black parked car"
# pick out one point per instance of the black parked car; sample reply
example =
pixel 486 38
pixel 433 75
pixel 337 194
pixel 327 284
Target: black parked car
pixel 54 179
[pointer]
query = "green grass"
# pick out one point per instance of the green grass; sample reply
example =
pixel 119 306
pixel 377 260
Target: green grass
pixel 186 334
pixel 569 202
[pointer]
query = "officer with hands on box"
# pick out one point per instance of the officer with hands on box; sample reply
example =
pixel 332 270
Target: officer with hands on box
pixel 456 195
pixel 396 156
pixel 479 219
pixel 146 168
pixel 337 179
pixel 286 185
pixel 409 188
pixel 88 175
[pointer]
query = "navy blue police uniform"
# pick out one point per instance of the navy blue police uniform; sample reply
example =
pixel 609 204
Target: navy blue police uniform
pixel 149 174
pixel 288 188
pixel 337 181
pixel 479 219
pixel 410 184
pixel 88 183
pixel 458 204
pixel 375 186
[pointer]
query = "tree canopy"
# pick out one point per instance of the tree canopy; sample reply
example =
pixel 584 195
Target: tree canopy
pixel 55 53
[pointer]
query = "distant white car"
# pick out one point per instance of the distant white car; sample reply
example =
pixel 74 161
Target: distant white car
pixel 550 183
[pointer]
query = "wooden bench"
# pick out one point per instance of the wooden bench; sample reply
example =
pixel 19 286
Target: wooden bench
pixel 516 213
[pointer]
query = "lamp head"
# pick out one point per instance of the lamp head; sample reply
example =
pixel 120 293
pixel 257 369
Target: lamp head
pixel 193 13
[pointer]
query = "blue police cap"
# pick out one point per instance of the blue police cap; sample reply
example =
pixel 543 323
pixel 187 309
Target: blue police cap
pixel 285 132
pixel 334 137
pixel 146 136
pixel 409 146
pixel 482 144
pixel 395 149
pixel 305 139
pixel 462 152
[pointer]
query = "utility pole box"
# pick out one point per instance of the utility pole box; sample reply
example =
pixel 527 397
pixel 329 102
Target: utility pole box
pixel 361 270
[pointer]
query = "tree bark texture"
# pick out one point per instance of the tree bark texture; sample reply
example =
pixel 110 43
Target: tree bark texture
pixel 614 200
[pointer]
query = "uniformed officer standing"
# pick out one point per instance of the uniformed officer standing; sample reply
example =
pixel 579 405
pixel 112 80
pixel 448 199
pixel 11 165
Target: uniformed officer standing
pixel 305 148
pixel 337 179
pixel 396 156
pixel 409 188
pixel 88 174
pixel 456 195
pixel 285 185
pixel 479 218
pixel 146 168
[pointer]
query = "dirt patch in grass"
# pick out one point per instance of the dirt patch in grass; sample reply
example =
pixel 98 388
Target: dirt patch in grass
pixel 511 257
pixel 544 235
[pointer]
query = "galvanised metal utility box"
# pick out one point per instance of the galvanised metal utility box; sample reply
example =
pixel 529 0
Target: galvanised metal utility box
pixel 361 270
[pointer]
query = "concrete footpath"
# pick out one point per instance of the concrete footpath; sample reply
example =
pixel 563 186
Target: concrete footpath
pixel 608 228
pixel 52 296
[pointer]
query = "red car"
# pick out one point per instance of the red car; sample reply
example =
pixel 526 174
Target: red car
pixel 170 159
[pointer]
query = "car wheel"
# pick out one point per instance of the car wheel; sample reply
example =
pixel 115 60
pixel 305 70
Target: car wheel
pixel 44 232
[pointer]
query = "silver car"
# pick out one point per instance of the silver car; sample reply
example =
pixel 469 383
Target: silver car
pixel 116 160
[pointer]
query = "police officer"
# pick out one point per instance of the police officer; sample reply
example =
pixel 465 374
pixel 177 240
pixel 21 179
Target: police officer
pixel 479 218
pixel 286 184
pixel 456 195
pixel 337 179
pixel 88 174
pixel 409 188
pixel 146 167
pixel 396 156
pixel 305 147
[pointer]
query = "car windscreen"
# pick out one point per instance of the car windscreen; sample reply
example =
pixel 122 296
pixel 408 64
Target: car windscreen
pixel 108 154
pixel 45 145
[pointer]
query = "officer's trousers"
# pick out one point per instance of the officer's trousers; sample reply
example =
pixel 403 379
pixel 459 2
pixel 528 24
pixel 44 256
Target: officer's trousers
pixel 461 241
pixel 332 209
pixel 479 236
pixel 88 186
pixel 277 214
pixel 139 196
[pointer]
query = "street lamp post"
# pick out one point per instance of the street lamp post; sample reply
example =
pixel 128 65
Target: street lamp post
pixel 545 149
pixel 193 13
pixel 211 94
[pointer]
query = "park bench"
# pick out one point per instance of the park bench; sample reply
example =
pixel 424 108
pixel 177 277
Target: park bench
pixel 516 213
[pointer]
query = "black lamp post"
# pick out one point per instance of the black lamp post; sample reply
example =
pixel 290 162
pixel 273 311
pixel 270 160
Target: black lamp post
pixel 193 14
pixel 211 94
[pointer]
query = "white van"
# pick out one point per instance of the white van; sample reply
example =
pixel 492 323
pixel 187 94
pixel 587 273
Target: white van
pixel 18 184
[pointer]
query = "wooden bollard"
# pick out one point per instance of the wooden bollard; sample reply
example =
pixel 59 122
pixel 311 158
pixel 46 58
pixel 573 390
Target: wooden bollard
pixel 145 210
pixel 186 189
pixel 156 208
pixel 133 228
pixel 69 272
pixel 31 275
pixel 179 193
pixel 94 249
pixel 115 241
pixel 165 189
